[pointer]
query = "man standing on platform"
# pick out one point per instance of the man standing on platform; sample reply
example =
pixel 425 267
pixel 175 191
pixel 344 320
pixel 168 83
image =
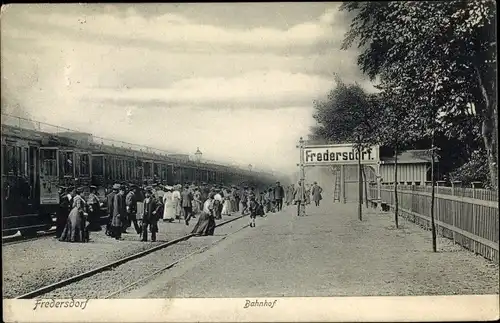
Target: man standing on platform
pixel 119 213
pixel 94 210
pixel 187 203
pixel 110 200
pixel 131 204
pixel 150 217
pixel 299 197
pixel 279 193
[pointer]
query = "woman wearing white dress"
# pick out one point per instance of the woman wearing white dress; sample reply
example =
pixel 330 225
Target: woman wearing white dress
pixel 169 205
pixel 176 195
pixel 226 207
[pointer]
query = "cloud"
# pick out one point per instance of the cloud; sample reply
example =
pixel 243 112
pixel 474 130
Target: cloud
pixel 171 81
pixel 184 34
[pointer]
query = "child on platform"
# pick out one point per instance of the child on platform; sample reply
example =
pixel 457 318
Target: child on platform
pixel 252 207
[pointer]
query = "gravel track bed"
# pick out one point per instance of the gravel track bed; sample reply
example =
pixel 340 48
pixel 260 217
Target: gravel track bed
pixel 33 264
pixel 105 283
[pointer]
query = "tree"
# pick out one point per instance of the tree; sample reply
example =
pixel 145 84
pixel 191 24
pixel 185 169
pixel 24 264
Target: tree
pixel 441 56
pixel 396 129
pixel 346 116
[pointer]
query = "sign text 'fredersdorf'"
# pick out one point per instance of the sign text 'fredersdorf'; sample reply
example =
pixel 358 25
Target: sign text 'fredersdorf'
pixel 339 154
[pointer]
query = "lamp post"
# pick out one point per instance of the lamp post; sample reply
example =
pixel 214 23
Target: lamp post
pixel 198 155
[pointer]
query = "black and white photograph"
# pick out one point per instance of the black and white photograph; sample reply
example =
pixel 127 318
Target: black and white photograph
pixel 250 162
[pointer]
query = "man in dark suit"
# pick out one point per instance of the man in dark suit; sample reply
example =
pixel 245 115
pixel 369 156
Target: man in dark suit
pixel 150 217
pixel 187 203
pixel 109 203
pixel 279 194
pixel 131 203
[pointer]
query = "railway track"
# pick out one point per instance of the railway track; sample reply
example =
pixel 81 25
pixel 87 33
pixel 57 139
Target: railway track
pixel 19 239
pixel 109 266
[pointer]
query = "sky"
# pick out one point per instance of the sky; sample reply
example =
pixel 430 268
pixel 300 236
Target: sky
pixel 236 80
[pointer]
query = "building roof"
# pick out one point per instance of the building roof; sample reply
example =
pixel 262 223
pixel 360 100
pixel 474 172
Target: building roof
pixel 421 156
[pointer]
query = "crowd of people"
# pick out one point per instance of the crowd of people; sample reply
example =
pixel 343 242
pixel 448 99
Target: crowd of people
pixel 143 207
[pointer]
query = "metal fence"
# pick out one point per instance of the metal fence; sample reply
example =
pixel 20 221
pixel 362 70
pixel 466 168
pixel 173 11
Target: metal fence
pixel 468 216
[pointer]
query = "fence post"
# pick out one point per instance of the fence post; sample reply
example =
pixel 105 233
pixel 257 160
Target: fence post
pixel 454 204
pixel 438 201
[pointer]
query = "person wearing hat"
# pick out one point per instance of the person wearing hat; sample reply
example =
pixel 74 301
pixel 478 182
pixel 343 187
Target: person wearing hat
pixel 316 191
pixel 94 210
pixel 206 222
pixel 217 206
pixel 65 203
pixel 279 194
pixel 75 229
pixel 187 203
pixel 168 205
pixel 269 200
pixel 110 203
pixel 131 206
pixel 176 196
pixel 299 197
pixel 119 212
pixel 151 215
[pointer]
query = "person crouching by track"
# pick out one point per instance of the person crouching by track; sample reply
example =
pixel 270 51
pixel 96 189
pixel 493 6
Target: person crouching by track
pixel 119 213
pixel 206 222
pixel 151 216
pixel 94 210
pixel 131 205
pixel 76 230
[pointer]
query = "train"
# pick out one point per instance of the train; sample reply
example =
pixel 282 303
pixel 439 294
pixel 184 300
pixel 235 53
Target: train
pixel 36 163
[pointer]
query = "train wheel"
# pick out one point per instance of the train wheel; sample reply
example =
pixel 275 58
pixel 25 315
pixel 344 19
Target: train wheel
pixel 29 233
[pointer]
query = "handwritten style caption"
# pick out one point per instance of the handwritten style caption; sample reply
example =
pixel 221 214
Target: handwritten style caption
pixel 52 303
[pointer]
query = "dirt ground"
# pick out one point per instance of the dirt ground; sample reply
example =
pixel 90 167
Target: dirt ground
pixel 328 253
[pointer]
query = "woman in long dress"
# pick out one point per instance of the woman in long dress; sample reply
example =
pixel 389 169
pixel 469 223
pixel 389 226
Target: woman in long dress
pixel 176 196
pixel 168 205
pixel 76 230
pixel 206 222
pixel 226 207
pixel 197 206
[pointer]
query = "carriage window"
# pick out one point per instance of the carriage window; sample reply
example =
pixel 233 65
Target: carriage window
pixel 147 169
pixel 156 168
pixel 48 162
pixel 25 161
pixel 84 165
pixel 66 163
pixel 97 165
pixel 108 168
pixel 10 165
pixel 131 170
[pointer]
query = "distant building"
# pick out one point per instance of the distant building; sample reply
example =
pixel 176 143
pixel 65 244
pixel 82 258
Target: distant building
pixel 413 167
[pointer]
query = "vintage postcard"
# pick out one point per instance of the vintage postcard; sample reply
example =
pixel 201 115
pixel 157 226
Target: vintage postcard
pixel 250 162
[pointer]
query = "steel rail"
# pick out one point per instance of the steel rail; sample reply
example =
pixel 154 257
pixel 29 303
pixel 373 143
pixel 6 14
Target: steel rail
pixel 159 271
pixel 92 272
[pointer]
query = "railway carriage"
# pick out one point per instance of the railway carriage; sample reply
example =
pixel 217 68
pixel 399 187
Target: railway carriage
pixel 35 164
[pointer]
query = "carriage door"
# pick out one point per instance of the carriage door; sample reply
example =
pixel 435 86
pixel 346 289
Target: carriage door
pixel 49 175
pixel 33 172
pixel 66 167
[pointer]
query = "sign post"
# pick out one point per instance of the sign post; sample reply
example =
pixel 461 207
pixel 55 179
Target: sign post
pixel 302 180
pixel 338 155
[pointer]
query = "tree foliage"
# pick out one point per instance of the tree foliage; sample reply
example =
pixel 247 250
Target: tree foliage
pixel 438 57
pixel 347 115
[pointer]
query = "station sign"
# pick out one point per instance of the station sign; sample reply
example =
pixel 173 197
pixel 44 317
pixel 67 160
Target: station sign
pixel 340 154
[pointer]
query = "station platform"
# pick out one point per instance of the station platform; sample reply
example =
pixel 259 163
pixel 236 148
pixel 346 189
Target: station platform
pixel 329 252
